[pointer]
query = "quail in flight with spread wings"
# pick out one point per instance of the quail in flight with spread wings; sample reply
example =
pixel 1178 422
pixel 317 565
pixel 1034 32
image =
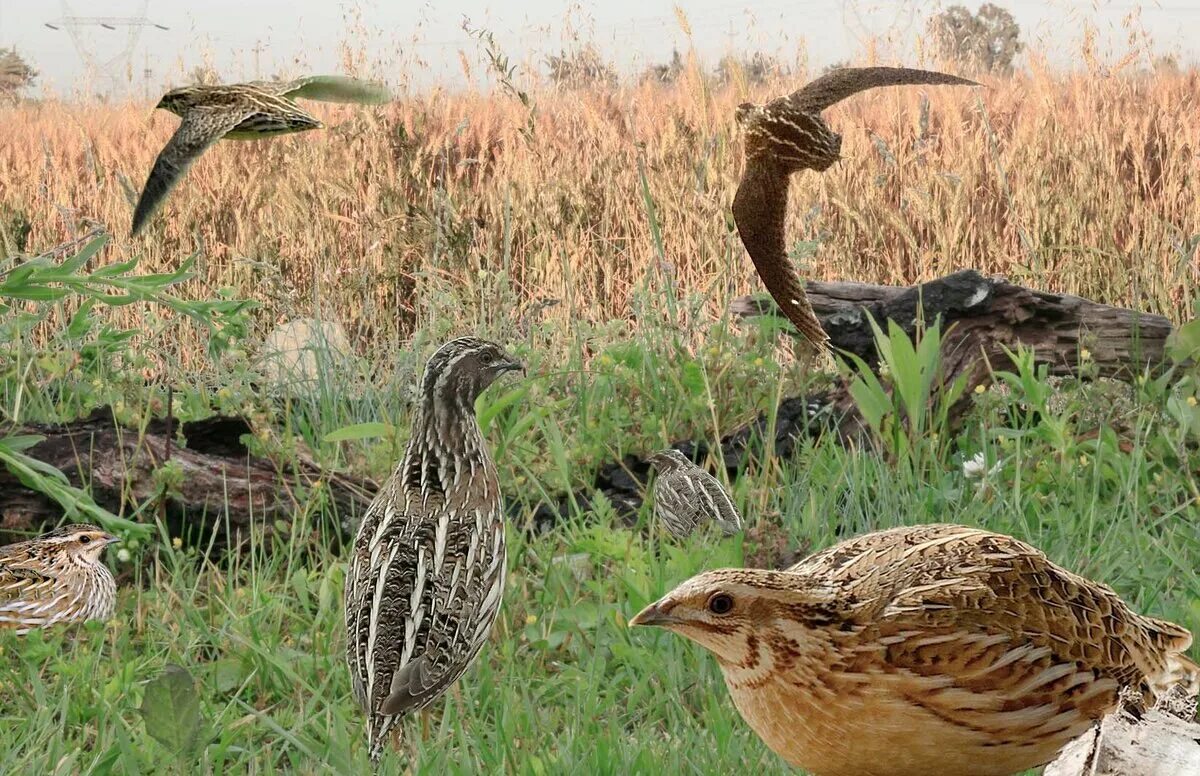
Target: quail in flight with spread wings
pixel 239 112
pixel 785 136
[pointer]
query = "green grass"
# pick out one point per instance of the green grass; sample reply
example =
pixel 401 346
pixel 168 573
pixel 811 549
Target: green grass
pixel 564 686
pixel 1100 476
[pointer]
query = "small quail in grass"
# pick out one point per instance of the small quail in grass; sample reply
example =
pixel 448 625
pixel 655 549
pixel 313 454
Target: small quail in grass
pixel 933 649
pixel 686 496
pixel 426 577
pixel 56 578
pixel 247 111
pixel 785 136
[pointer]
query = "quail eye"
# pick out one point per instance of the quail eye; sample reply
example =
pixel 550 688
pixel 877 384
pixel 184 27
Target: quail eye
pixel 84 539
pixel 720 603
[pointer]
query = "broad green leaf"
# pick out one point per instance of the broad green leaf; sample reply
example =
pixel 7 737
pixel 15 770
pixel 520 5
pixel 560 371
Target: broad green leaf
pixel 1184 342
pixel 35 293
pixel 171 711
pixel 72 264
pixel 18 442
pixel 487 411
pixel 81 321
pixel 369 430
pixel 113 270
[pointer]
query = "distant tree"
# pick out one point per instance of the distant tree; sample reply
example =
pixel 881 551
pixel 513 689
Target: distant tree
pixel 756 68
pixel 16 75
pixel 581 68
pixel 667 72
pixel 988 40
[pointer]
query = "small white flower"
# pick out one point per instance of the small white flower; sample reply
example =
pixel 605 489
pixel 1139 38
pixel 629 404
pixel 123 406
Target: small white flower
pixel 123 555
pixel 976 467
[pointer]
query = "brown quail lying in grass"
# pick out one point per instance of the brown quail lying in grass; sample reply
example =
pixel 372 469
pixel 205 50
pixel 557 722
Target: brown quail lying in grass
pixel 686 496
pixel 934 649
pixel 785 136
pixel 425 580
pixel 56 578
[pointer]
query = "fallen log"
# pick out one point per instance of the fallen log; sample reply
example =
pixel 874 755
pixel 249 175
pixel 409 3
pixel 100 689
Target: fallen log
pixel 981 314
pixel 1162 741
pixel 221 484
pixel 981 318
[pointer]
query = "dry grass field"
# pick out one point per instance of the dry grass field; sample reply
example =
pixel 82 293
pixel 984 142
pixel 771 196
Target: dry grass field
pixel 1082 182
pixel 444 214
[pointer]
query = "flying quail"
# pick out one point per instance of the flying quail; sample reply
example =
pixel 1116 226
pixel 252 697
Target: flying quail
pixel 785 136
pixel 238 112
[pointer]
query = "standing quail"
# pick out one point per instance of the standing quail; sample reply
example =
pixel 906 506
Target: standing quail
pixel 426 577
pixel 686 496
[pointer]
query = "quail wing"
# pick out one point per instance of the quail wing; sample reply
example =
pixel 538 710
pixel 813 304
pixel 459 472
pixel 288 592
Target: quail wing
pixel 328 88
pixel 21 582
pixel 200 128
pixel 759 212
pixel 837 85
pixel 426 623
pixel 719 505
pixel 1053 627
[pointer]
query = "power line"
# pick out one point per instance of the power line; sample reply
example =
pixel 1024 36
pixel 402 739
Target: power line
pixel 116 66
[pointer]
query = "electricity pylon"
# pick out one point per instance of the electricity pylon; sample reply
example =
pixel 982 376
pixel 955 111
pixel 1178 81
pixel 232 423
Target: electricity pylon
pixel 117 69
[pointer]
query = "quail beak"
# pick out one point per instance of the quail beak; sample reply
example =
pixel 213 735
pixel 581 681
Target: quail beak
pixel 511 366
pixel 655 614
pixel 110 539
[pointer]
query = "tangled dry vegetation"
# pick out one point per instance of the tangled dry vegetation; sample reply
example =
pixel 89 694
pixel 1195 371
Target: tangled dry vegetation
pixel 1072 182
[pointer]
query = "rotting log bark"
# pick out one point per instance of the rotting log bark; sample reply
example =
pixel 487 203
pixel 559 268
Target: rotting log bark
pixel 222 484
pixel 1163 741
pixel 981 317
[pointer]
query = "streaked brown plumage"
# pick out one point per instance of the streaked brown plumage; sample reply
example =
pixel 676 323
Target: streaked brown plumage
pixel 686 496
pixel 926 649
pixel 425 580
pixel 238 112
pixel 56 578
pixel 785 136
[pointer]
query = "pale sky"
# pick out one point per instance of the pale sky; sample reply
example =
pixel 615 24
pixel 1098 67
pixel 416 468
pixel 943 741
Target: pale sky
pixel 420 44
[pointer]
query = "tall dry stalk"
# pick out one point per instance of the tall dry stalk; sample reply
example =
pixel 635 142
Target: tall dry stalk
pixel 1067 182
